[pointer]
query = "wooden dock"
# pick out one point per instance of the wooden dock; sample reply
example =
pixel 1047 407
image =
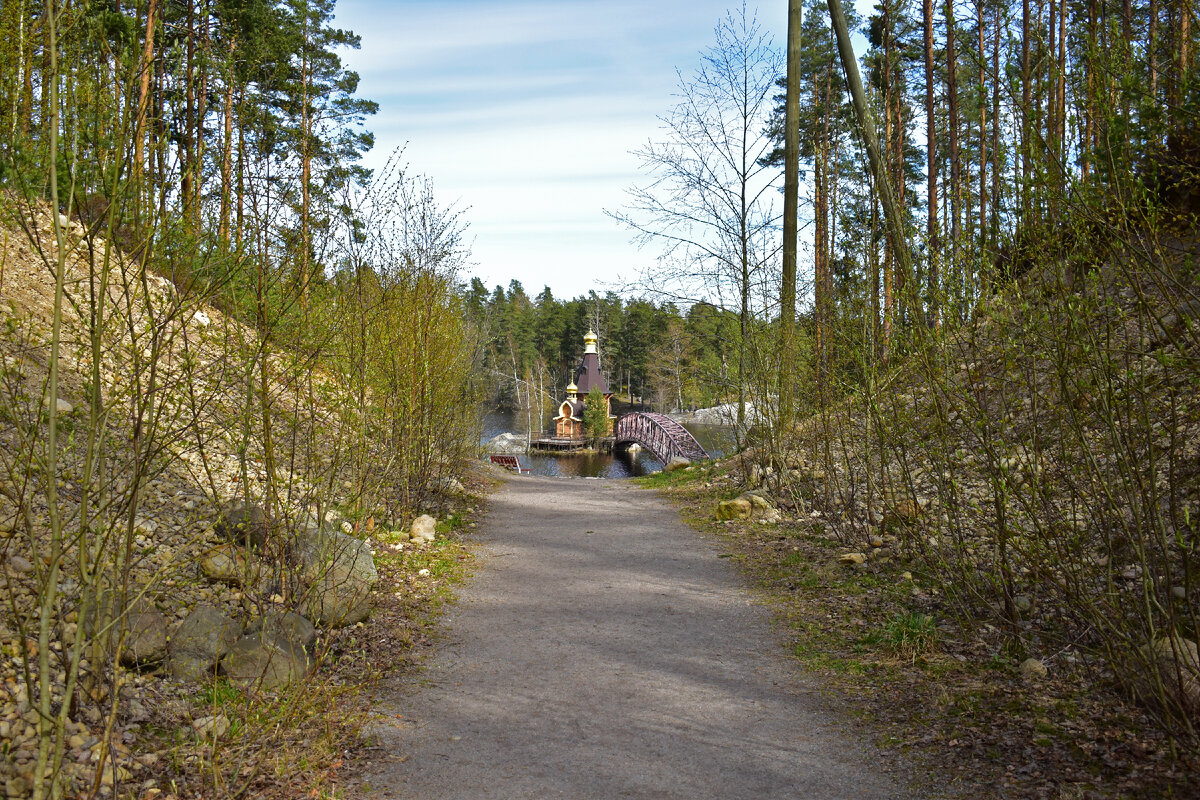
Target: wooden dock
pixel 566 444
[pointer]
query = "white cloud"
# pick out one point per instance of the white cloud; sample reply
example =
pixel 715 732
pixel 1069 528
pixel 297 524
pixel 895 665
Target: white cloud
pixel 525 113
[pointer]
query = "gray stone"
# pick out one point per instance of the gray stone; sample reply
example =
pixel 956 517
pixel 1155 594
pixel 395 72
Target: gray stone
pixel 197 645
pixel 20 564
pixel 676 463
pixel 506 444
pixel 1177 662
pixel 286 625
pixel 145 629
pixel 451 485
pixel 338 573
pixel 211 727
pixel 140 628
pixel 264 662
pixel 245 524
pixel 225 563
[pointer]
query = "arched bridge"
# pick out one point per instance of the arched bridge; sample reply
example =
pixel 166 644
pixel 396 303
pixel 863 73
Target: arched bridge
pixel 661 435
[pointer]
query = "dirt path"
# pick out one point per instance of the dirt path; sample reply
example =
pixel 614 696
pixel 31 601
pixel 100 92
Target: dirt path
pixel 603 651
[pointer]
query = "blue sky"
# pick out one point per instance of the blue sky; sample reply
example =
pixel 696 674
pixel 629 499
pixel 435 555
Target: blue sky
pixel 525 113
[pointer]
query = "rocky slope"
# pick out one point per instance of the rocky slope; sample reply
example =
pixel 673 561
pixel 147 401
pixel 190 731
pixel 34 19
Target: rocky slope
pixel 201 523
pixel 1037 475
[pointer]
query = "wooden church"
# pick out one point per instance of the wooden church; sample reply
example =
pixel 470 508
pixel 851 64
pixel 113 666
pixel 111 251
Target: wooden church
pixel 569 422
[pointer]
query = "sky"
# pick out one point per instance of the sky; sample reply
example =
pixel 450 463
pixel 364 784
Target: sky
pixel 525 115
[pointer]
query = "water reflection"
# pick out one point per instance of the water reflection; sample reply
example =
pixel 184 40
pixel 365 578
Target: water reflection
pixel 716 439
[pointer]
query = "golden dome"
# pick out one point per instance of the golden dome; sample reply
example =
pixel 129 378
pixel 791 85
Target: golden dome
pixel 589 342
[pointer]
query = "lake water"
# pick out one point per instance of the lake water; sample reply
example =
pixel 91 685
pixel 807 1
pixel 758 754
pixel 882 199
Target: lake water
pixel 716 439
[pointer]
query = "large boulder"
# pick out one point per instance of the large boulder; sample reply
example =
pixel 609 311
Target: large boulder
pixel 225 563
pixel 199 643
pixel 145 629
pixel 677 462
pixel 737 508
pixel 245 524
pixel 506 444
pixel 265 662
pixel 1176 661
pixel 338 573
pixel 139 629
pixel 748 506
pixel 287 626
pixel 424 529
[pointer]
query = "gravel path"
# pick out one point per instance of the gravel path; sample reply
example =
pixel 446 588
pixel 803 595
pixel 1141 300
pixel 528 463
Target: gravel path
pixel 603 651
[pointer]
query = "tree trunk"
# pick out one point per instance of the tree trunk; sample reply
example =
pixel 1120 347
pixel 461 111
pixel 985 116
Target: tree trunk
pixel 139 134
pixel 931 192
pixel 1026 144
pixel 955 189
pixel 893 218
pixel 791 195
pixel 227 156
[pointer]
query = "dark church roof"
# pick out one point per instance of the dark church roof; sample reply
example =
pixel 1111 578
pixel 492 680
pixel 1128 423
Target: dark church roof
pixel 588 375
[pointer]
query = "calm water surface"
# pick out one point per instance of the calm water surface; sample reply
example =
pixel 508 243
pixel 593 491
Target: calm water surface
pixel 716 439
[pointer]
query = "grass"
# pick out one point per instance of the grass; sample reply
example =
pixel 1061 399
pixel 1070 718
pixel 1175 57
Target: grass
pixel 907 634
pixel 679 477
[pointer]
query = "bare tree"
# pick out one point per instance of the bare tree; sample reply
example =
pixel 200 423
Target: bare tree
pixel 709 202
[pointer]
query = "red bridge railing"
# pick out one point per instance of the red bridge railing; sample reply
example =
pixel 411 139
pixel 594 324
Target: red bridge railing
pixel 661 435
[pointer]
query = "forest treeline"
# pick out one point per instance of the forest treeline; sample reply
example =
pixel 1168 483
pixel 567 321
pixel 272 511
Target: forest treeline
pixel 652 352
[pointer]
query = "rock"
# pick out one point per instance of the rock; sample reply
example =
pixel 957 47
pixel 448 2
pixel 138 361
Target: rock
pixel 451 485
pixel 424 527
pixel 200 641
pixel 338 573
pixel 852 558
pixel 213 727
pixel 759 503
pixel 63 407
pixel 1179 593
pixel 1177 662
pixel 506 444
pixel 146 631
pixel 225 563
pixel 875 540
pixel 1023 603
pixel 141 628
pixel 245 524
pixel 676 463
pixel 8 518
pixel 737 508
pixel 901 514
pixel 1033 670
pixel 265 662
pixel 20 564
pixel 286 625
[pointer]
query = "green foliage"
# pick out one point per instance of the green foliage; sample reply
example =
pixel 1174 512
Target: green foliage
pixel 908 634
pixel 595 416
